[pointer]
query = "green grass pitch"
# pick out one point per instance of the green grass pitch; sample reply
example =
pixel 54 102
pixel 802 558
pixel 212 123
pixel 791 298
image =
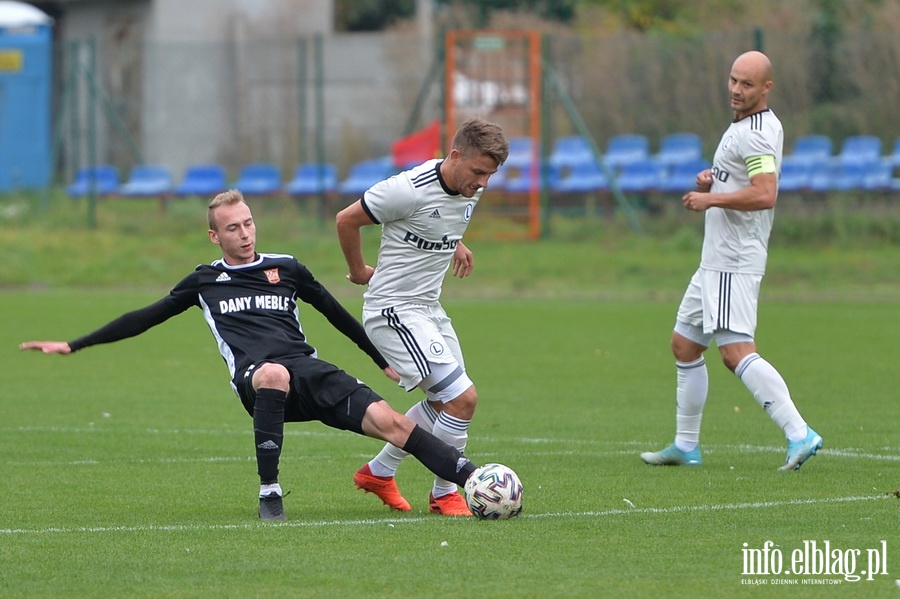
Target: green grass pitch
pixel 128 469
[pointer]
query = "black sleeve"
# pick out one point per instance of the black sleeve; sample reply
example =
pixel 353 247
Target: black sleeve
pixel 314 293
pixel 136 322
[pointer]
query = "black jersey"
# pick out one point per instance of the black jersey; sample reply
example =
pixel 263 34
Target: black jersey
pixel 251 310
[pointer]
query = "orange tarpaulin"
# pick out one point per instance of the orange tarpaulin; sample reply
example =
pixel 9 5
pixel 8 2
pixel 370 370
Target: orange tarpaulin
pixel 418 146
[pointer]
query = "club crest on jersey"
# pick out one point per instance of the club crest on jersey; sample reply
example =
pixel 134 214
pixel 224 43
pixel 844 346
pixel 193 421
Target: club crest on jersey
pixel 272 275
pixel 727 143
pixel 437 348
pixel 467 215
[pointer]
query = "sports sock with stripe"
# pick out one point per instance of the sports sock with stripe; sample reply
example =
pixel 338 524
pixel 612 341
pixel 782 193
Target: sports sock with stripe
pixel 690 397
pixel 455 432
pixel 268 432
pixel 771 392
pixel 444 460
pixel 388 459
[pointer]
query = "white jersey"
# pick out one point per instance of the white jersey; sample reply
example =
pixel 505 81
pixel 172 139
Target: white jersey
pixel 737 240
pixel 422 222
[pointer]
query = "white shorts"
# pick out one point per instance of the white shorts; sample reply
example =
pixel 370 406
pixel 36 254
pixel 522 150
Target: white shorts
pixel 721 301
pixel 415 338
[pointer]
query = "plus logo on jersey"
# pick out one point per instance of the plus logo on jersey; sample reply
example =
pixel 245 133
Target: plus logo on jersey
pixel 444 245
pixel 272 275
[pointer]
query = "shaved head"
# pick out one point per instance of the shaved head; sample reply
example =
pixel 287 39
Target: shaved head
pixel 756 62
pixel 749 83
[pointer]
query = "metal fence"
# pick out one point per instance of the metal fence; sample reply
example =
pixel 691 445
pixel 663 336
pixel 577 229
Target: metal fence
pixel 346 98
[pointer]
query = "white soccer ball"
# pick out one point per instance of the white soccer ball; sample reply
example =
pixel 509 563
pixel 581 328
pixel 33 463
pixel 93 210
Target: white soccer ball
pixel 494 492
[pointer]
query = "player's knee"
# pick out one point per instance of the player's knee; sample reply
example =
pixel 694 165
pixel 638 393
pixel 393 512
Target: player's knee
pixel 383 422
pixel 463 406
pixel 731 359
pixel 729 363
pixel 686 350
pixel 272 376
pixel 734 348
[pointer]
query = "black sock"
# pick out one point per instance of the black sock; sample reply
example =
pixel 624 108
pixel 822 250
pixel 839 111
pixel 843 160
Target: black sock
pixel 444 460
pixel 268 432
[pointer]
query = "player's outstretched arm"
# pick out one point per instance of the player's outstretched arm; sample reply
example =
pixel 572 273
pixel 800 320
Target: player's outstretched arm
pixel 128 325
pixel 47 347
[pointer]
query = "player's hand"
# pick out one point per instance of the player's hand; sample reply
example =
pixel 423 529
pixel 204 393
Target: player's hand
pixel 392 374
pixel 363 277
pixel 696 201
pixel 463 261
pixel 704 180
pixel 48 347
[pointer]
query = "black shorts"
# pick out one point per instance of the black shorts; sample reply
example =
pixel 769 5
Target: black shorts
pixel 319 391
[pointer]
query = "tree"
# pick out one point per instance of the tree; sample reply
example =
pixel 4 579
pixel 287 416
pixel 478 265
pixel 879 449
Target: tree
pixel 371 15
pixel 557 10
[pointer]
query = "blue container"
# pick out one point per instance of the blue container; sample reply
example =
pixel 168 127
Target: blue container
pixel 26 49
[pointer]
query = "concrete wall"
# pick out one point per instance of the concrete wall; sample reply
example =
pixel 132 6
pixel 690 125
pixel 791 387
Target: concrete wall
pixel 235 81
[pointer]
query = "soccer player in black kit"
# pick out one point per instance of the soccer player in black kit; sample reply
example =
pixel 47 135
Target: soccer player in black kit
pixel 249 301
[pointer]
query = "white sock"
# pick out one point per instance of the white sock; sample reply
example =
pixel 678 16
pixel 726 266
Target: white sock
pixel 771 392
pixel 690 397
pixel 266 490
pixel 455 432
pixel 388 459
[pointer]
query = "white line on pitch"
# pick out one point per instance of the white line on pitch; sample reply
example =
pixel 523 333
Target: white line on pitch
pixel 482 455
pixel 678 509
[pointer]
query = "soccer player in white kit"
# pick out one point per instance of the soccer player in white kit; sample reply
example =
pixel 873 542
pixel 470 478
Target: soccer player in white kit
pixel 738 197
pixel 423 213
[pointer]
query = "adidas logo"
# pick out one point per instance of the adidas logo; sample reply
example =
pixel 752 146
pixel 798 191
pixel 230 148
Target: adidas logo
pixel 223 277
pixel 435 214
pixel 460 463
pixel 269 444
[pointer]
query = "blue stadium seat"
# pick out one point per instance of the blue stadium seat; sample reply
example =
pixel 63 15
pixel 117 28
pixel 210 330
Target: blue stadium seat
pixel 202 180
pixel 498 179
pixel 520 152
pixel 626 149
pixel 894 157
pixel 102 179
pixel 147 180
pixel 682 177
pixel 641 176
pixel 677 148
pixel 795 175
pixel 860 149
pixel 814 149
pixel 520 181
pixel 570 150
pixel 313 178
pixel 878 176
pixel 259 179
pixel 839 177
pixel 847 176
pixel 365 174
pixel 583 177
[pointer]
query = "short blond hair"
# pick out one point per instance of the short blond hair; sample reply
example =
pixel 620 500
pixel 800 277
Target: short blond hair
pixel 226 198
pixel 477 136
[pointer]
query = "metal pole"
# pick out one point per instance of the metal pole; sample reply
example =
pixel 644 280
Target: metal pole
pixel 319 56
pixel 92 140
pixel 301 99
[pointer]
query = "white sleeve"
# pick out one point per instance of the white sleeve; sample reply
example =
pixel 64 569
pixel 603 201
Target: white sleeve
pixel 391 199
